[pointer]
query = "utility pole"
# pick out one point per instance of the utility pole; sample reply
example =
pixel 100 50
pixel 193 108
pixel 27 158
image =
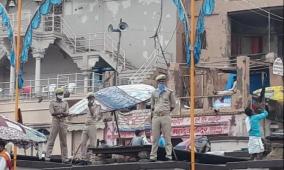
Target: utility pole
pixel 192 83
pixel 117 59
pixel 18 53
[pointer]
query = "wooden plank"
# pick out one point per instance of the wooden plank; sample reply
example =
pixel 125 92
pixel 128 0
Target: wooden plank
pixel 123 166
pixel 120 150
pixel 144 165
pixel 164 165
pixel 40 164
pixel 207 96
pixel 243 79
pixel 256 164
pixel 239 154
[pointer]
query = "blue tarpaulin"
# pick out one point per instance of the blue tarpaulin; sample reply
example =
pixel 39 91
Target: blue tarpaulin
pixel 206 9
pixel 118 101
pixel 230 81
pixel 115 98
pixel 7 24
pixel 182 17
pixel 256 81
pixel 43 9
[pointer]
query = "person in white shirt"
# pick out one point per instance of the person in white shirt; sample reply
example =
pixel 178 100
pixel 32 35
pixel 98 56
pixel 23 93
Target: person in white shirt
pixel 5 158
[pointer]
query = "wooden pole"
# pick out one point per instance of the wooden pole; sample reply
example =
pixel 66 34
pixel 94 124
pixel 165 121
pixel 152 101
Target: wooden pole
pixel 18 48
pixel 118 131
pixel 192 84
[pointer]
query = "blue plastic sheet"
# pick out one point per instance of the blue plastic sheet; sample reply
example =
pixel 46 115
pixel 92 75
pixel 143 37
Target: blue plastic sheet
pixel 1 10
pixel 7 24
pixel 230 81
pixel 12 57
pixel 44 9
pixel 118 101
pixel 183 19
pixel 206 9
pixel 36 20
pixel 55 2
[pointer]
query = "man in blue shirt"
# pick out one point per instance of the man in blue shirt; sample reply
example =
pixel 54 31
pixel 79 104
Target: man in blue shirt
pixel 255 145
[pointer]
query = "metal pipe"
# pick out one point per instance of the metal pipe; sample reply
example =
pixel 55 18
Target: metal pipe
pixel 117 56
pixel 18 50
pixel 192 84
pixel 118 131
pixel 269 30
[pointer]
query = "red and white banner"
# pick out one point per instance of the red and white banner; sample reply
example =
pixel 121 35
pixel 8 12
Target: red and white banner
pixel 184 131
pixel 204 125
pixel 201 131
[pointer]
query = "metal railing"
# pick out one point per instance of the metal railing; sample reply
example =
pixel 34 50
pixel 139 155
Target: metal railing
pixel 78 43
pixel 76 84
pixel 145 68
pixel 89 42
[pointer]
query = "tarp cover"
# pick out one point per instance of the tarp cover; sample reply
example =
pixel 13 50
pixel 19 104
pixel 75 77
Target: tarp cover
pixel 116 98
pixel 19 134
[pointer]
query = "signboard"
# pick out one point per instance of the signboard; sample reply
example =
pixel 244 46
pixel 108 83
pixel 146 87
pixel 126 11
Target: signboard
pixel 278 67
pixel 137 119
pixel 201 130
pixel 185 131
pixel 202 120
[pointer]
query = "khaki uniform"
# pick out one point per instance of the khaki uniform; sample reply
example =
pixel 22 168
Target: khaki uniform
pixel 58 125
pixel 161 121
pixel 90 131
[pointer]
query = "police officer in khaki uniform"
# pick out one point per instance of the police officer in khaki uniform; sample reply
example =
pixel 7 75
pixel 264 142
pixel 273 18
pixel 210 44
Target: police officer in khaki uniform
pixel 162 103
pixel 90 131
pixel 59 111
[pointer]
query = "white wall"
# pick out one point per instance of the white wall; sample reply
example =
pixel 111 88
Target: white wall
pixel 142 16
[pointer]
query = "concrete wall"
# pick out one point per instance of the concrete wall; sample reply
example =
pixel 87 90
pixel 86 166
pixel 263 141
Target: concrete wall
pixel 218 26
pixel 54 62
pixel 142 16
pixel 218 33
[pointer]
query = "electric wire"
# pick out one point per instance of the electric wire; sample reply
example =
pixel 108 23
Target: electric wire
pixel 243 6
pixel 156 35
pixel 268 12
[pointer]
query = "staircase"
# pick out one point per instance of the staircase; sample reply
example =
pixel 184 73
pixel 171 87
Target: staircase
pixel 153 66
pixel 55 29
pixel 88 45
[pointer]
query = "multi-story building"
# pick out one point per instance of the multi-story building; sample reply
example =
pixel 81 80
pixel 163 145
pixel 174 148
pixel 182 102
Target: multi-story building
pixel 74 47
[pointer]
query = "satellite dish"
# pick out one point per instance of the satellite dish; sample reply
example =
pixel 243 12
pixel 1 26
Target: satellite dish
pixel 110 28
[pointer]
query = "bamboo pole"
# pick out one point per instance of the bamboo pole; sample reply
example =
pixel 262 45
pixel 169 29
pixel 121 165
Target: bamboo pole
pixel 192 84
pixel 18 48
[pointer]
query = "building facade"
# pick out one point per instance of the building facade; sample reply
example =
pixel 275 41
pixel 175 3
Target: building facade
pixel 74 48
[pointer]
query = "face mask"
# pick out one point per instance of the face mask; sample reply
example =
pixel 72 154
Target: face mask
pixel 60 97
pixel 162 87
pixel 91 101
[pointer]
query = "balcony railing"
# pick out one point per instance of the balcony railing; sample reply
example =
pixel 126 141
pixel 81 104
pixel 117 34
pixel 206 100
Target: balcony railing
pixel 75 83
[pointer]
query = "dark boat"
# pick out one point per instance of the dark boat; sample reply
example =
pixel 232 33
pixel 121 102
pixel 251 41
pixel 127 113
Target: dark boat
pixel 183 155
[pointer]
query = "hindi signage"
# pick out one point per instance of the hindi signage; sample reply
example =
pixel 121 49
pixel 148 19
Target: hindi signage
pixel 278 67
pixel 204 125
